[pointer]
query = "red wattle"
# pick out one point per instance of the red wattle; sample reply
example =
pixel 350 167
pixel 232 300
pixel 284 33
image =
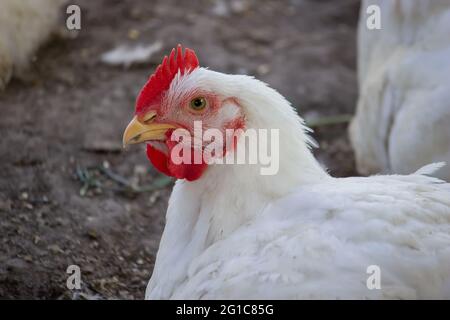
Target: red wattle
pixel 158 159
pixel 164 164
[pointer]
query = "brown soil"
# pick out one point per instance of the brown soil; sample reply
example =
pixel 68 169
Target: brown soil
pixel 62 122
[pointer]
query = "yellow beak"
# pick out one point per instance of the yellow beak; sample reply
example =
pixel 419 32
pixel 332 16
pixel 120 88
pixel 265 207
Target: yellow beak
pixel 138 131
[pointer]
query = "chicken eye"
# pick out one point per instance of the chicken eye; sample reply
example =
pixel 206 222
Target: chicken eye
pixel 198 103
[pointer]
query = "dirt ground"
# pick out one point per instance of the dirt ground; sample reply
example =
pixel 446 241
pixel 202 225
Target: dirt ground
pixel 70 195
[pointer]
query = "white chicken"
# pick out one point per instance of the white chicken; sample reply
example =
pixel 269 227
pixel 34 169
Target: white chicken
pixel 24 26
pixel 232 233
pixel 402 120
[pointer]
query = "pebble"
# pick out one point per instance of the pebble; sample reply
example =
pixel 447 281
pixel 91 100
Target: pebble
pixel 133 34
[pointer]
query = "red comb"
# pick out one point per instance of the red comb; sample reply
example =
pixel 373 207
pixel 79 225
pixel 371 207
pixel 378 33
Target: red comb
pixel 160 80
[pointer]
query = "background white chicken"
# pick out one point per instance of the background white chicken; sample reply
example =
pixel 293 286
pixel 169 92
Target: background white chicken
pixel 234 233
pixel 402 120
pixel 24 26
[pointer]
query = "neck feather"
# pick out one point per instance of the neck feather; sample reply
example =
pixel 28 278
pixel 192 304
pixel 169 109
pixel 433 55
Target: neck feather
pixel 228 196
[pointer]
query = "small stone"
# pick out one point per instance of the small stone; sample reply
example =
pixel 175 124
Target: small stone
pixel 55 248
pixel 36 239
pixel 220 9
pixel 154 197
pixel 263 69
pixel 95 244
pixel 29 206
pixel 92 234
pixel 133 34
pixel 140 170
pixel 239 6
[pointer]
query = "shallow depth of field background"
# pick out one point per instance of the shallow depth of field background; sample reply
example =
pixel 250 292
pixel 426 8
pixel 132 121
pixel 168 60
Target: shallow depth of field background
pixel 69 193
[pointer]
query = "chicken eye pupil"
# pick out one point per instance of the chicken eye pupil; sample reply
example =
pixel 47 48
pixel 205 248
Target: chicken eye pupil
pixel 198 103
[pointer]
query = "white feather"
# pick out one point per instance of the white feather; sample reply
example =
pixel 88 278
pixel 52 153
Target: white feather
pixel 235 234
pixel 24 26
pixel 402 120
pixel 126 55
pixel 430 169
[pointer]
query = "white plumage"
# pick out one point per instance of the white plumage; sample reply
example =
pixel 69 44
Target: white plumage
pixel 24 26
pixel 403 113
pixel 299 234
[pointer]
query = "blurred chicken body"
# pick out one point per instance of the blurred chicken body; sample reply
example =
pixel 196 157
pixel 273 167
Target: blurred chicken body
pixel 403 113
pixel 24 26
pixel 232 233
